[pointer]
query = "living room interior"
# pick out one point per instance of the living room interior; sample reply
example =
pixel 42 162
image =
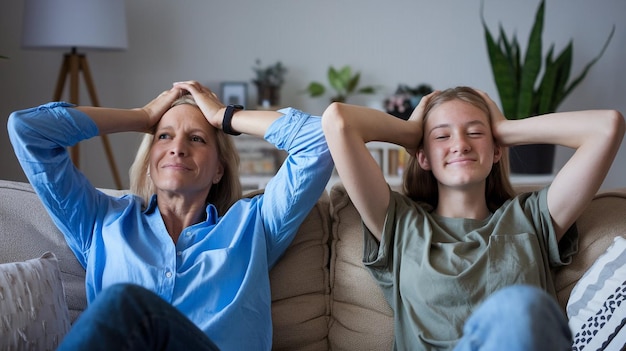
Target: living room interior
pixel 322 297
pixel 441 44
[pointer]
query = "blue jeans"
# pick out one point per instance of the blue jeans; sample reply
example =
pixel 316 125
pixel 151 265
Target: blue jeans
pixel 517 318
pixel 130 317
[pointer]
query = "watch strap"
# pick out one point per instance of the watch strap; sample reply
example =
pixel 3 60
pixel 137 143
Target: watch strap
pixel 228 116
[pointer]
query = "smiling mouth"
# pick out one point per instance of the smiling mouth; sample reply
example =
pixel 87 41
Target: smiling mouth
pixel 177 167
pixel 460 161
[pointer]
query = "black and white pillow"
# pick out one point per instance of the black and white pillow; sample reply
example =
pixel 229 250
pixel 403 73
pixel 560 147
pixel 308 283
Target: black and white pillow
pixel 597 306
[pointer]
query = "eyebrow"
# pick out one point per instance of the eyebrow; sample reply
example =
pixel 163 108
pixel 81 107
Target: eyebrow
pixel 447 125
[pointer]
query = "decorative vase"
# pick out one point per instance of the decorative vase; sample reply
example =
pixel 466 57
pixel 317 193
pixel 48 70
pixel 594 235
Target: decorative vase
pixel 268 95
pixel 532 159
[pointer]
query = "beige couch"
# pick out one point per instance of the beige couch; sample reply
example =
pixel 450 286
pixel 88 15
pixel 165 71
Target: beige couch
pixel 322 296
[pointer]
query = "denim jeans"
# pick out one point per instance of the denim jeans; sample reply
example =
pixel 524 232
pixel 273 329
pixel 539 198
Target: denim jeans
pixel 517 318
pixel 129 317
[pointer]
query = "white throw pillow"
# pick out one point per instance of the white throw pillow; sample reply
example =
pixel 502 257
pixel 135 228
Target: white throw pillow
pixel 597 306
pixel 33 310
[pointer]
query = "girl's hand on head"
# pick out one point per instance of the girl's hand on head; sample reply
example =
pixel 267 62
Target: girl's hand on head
pixel 156 108
pixel 207 101
pixel 417 117
pixel 496 116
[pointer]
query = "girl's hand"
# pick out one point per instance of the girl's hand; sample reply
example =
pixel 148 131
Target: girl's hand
pixel 156 108
pixel 417 117
pixel 207 101
pixel 496 116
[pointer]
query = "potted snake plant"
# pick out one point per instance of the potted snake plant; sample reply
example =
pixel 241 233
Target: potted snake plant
pixel 523 92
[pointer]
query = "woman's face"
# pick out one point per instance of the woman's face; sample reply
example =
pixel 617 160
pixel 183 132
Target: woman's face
pixel 458 144
pixel 184 154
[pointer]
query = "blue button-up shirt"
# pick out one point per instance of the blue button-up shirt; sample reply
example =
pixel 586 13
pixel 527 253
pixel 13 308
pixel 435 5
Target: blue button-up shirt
pixel 217 274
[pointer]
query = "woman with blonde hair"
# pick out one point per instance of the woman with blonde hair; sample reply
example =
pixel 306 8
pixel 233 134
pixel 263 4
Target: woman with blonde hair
pixel 183 263
pixel 464 263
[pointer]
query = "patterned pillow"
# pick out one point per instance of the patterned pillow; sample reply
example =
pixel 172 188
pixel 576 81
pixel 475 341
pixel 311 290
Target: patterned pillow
pixel 33 310
pixel 597 306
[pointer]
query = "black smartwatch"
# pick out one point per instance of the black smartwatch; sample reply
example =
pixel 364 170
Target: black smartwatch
pixel 228 116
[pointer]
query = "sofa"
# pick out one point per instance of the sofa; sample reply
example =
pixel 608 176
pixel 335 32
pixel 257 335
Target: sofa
pixel 322 296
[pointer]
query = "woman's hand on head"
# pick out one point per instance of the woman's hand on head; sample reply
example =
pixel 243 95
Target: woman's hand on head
pixel 156 108
pixel 417 117
pixel 207 101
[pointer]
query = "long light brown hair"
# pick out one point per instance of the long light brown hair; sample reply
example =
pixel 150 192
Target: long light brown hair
pixel 421 185
pixel 222 195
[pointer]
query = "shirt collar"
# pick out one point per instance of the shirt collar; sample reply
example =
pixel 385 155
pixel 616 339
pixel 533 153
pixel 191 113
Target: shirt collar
pixel 211 210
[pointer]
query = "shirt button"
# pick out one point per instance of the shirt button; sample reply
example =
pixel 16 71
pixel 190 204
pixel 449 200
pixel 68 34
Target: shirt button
pixel 179 253
pixel 168 274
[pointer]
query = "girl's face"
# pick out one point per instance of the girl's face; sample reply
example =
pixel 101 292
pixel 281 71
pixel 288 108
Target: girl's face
pixel 458 144
pixel 184 154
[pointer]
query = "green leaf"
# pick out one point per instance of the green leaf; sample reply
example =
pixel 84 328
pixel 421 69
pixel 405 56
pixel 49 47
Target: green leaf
pixel 316 89
pixel 335 79
pixel 367 90
pixel 577 80
pixel 503 58
pixel 532 66
pixel 353 83
pixel 562 68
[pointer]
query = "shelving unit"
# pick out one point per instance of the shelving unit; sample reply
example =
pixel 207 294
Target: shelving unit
pixel 260 160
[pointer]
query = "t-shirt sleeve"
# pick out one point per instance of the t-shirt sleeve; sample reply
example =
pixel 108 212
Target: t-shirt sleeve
pixel 559 253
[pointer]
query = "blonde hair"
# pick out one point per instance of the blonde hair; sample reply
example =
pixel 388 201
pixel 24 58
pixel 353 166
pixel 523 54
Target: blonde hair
pixel 421 185
pixel 222 195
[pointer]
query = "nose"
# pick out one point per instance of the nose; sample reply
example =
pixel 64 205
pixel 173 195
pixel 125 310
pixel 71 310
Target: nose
pixel 461 145
pixel 178 147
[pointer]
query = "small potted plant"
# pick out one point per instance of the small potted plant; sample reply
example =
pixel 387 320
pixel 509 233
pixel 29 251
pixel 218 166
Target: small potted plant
pixel 343 81
pixel 523 93
pixel 268 81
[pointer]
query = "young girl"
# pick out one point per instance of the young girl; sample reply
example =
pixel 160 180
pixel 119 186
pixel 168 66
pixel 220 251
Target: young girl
pixel 460 235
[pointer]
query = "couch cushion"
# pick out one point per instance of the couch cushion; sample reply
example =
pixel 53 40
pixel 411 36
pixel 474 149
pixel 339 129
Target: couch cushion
pixel 300 286
pixel 601 222
pixel 27 231
pixel 32 305
pixel 361 318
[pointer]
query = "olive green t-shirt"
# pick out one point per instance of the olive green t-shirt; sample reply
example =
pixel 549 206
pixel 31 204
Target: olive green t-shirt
pixel 434 271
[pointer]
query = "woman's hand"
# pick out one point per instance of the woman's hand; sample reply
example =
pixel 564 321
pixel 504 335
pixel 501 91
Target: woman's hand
pixel 207 101
pixel 156 108
pixel 417 116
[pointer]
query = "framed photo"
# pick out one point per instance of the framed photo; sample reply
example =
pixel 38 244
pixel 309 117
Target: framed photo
pixel 234 93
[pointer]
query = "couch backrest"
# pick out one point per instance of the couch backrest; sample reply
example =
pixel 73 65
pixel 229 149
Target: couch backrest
pixel 300 286
pixel 361 318
pixel 27 232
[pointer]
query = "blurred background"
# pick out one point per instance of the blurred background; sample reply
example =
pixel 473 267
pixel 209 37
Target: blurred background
pixel 410 42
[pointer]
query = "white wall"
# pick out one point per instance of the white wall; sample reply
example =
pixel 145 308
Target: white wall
pixel 390 42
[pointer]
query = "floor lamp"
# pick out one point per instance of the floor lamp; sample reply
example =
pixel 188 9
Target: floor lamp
pixel 93 24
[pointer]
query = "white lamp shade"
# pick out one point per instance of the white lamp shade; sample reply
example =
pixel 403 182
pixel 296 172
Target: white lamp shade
pixel 86 24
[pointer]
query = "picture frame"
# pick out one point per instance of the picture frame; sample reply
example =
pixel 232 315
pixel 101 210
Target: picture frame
pixel 235 93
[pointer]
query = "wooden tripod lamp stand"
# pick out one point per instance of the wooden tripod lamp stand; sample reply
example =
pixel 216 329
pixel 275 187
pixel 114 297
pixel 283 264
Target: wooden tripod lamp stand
pixel 73 65
pixel 93 24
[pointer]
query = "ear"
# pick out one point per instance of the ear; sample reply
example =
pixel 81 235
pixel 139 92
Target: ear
pixel 422 160
pixel 219 174
pixel 497 153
